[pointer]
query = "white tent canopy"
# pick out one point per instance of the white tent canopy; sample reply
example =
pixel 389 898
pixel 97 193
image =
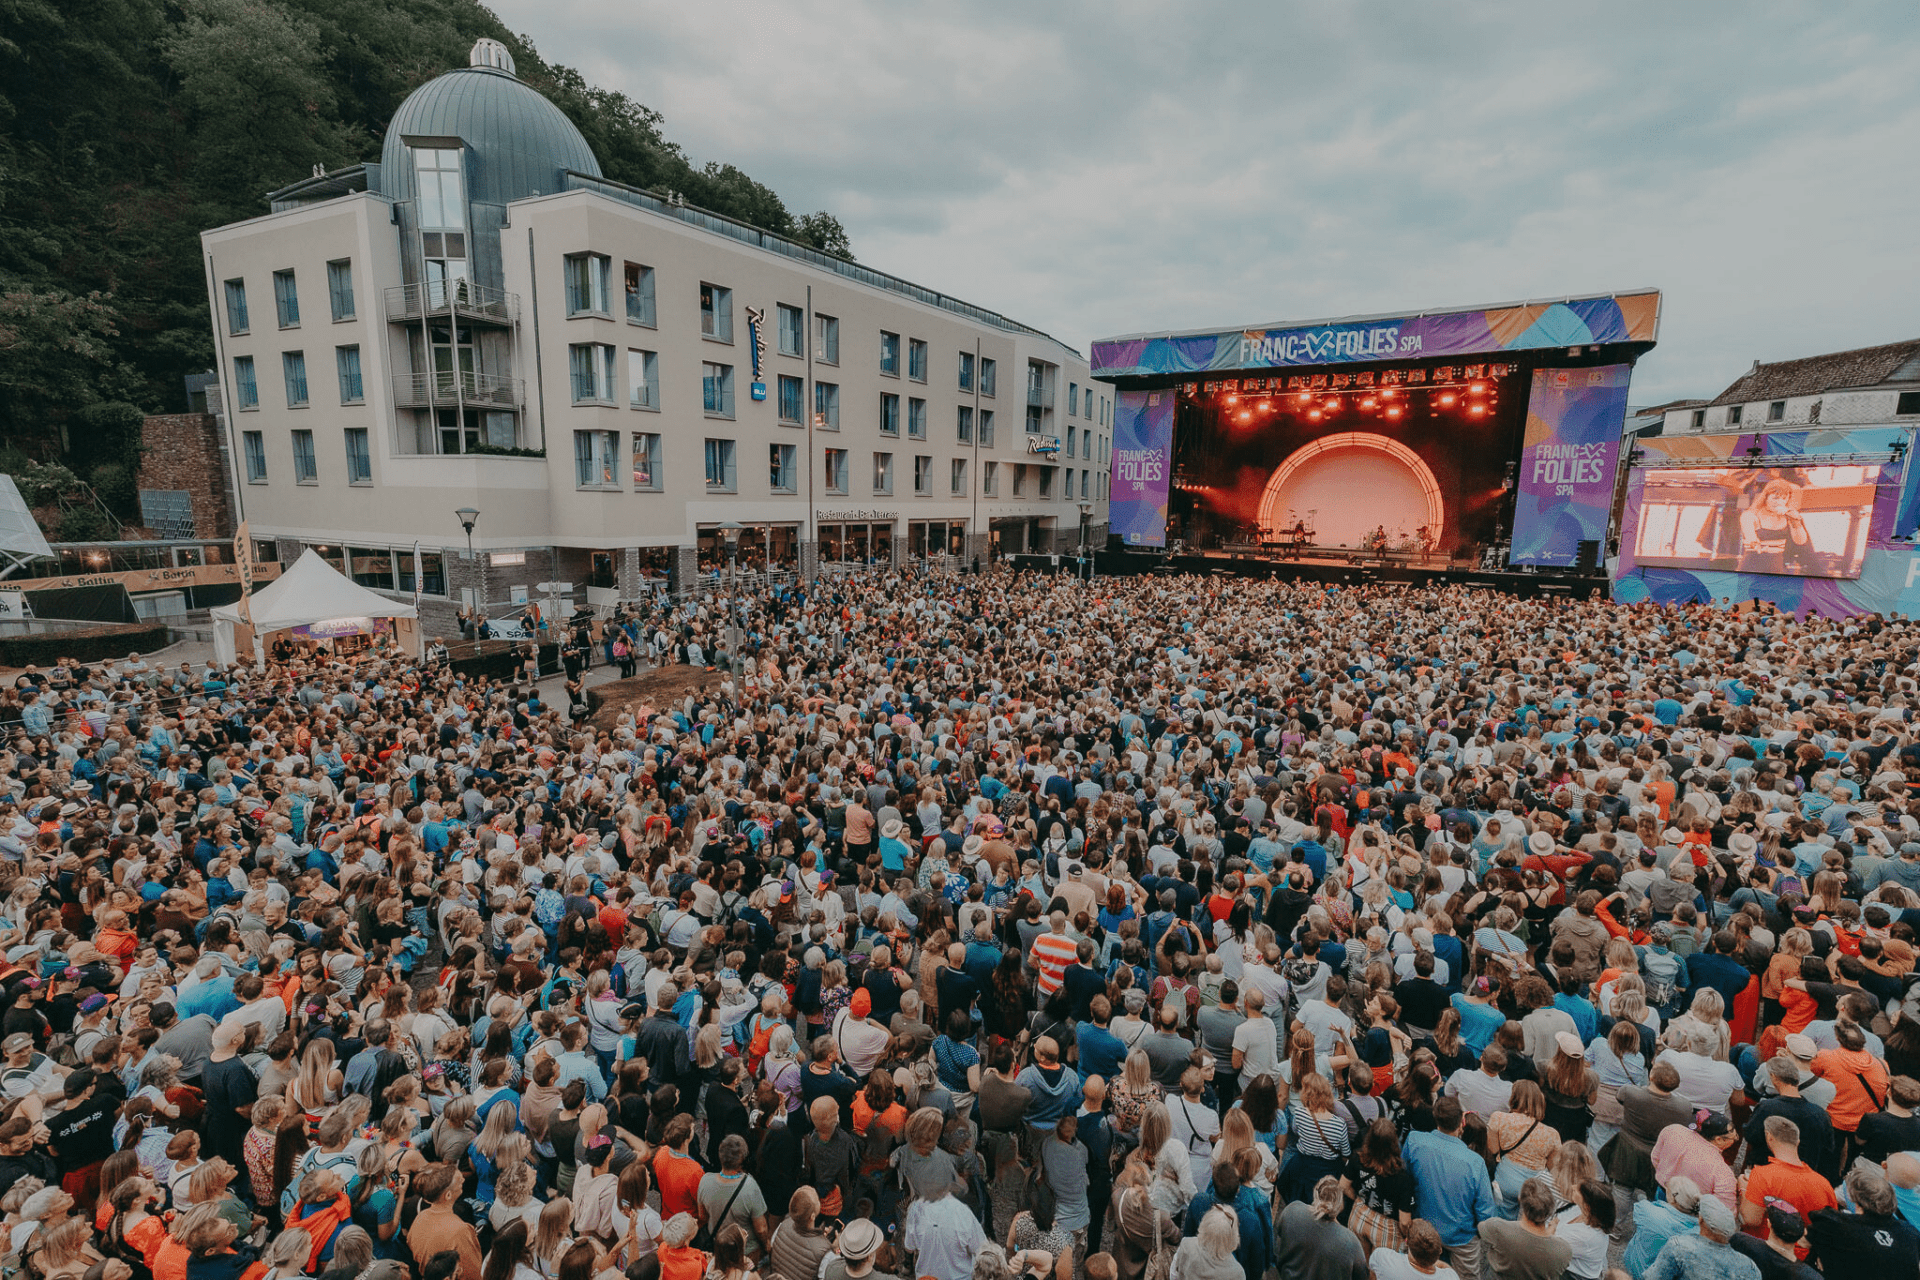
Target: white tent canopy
pixel 310 591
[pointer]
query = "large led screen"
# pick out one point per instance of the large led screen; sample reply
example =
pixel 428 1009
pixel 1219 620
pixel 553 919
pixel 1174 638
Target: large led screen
pixel 1809 522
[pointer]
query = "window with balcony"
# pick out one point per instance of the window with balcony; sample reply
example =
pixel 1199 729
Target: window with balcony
pixel 293 371
pixel 827 346
pixel 826 406
pixel 966 370
pixel 790 328
pixel 916 360
pixel 889 414
pixel 255 446
pixel 716 312
pixel 963 426
pixel 596 459
pixel 836 469
pixel 359 457
pixel 246 391
pixel 922 475
pixel 716 390
pixel 916 419
pixel 646 462
pixel 783 468
pixel 957 480
pixel 720 472
pixel 236 306
pixel 792 400
pixel 883 473
pixel 989 375
pixel 340 288
pixel 989 478
pixel 346 363
pixel 286 299
pixel 590 365
pixel 986 428
pixel 643 379
pixel 639 286
pixel 890 354
pixel 588 280
pixel 306 469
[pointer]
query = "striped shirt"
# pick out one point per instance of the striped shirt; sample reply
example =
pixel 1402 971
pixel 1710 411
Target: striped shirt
pixel 1052 953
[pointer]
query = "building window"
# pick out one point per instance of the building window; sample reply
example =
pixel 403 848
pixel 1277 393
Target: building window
pixel 639 287
pixel 1777 411
pixel 293 371
pixel 720 474
pixel 989 375
pixel 433 574
pixel 916 360
pixel 1083 482
pixel 1073 399
pixel 371 566
pixel 588 279
pixel 890 413
pixel 1067 491
pixel 716 312
pixel 829 339
pixel 958 486
pixel 883 473
pixel 256 450
pixel 643 379
pixel 826 406
pixel 306 470
pixel 596 459
pixel 989 478
pixel 646 461
pixel 964 425
pixel 286 299
pixel 246 392
pixel 1734 414
pixel 986 428
pixel 836 471
pixel 1699 419
pixel 1019 479
pixel 792 400
pixel 890 354
pixel 346 362
pixel 922 474
pixel 917 419
pixel 1033 420
pixel 1046 481
pixel 1071 440
pixel 340 288
pixel 236 306
pixel 359 457
pixel 442 203
pixel 1909 402
pixel 790 324
pixel 716 390
pixel 782 471
pixel 591 367
pixel 966 370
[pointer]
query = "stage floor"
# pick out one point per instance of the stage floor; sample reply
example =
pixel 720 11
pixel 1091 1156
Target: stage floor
pixel 1515 582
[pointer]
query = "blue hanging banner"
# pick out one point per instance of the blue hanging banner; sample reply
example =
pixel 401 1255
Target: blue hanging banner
pixel 755 315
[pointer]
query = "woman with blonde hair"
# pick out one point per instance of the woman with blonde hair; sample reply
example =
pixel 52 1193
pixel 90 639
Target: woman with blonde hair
pixel 1237 1135
pixel 552 1237
pixel 799 1245
pixel 1310 1240
pixel 1520 1142
pixel 513 1197
pixel 317 1087
pixel 1134 1092
pixel 1704 1020
pixel 65 1252
pixel 489 1151
pixel 286 1257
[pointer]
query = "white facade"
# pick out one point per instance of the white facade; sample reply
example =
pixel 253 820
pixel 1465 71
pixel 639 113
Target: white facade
pixel 603 417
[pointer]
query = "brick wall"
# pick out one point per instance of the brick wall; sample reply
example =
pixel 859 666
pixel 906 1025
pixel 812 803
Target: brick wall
pixel 184 451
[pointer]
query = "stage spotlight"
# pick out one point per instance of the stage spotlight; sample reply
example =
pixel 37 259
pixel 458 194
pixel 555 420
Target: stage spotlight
pixel 1304 396
pixel 1394 411
pixel 1266 406
pixel 1369 403
pixel 1477 387
pixel 1314 415
pixel 1245 416
pixel 1233 400
pixel 1478 410
pixel 1389 393
pixel 1332 404
pixel 1447 399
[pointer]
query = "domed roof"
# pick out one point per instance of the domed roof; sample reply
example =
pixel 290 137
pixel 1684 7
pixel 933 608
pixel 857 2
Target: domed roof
pixel 517 142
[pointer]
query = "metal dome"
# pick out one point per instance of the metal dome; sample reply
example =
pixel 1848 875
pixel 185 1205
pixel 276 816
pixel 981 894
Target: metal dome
pixel 517 142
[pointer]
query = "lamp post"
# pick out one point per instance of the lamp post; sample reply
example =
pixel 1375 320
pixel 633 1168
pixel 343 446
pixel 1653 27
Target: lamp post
pixel 468 517
pixel 731 532
pixel 1086 516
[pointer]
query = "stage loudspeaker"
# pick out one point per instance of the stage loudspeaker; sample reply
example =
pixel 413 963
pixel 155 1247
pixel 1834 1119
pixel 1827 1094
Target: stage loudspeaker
pixel 1587 559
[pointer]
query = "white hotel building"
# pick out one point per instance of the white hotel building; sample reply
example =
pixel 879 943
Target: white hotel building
pixel 480 320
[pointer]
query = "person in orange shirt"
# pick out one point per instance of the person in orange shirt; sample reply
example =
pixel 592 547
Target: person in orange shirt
pixel 677 1173
pixel 1859 1079
pixel 117 940
pixel 875 1105
pixel 1786 1178
pixel 678 1259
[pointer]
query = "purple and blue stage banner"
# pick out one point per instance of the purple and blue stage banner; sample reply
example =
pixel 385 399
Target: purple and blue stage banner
pixel 1142 466
pixel 1488 331
pixel 1568 462
pixel 1889 571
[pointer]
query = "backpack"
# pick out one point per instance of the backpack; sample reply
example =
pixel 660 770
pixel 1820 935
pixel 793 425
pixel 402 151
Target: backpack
pixel 1660 970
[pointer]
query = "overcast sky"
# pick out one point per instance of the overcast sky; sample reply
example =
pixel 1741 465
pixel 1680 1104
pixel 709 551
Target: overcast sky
pixel 1102 168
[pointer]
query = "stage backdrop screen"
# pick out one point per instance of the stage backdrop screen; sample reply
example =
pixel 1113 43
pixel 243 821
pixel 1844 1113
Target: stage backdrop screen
pixel 1807 521
pixel 1567 462
pixel 1142 467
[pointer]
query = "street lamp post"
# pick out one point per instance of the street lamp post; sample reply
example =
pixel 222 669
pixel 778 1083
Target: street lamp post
pixel 1086 516
pixel 731 532
pixel 468 517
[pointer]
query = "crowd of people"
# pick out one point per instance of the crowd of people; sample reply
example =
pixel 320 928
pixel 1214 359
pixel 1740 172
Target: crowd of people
pixel 980 926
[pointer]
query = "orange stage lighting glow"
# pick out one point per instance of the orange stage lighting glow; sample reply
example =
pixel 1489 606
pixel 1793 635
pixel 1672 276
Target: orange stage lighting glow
pixel 1447 399
pixel 1368 403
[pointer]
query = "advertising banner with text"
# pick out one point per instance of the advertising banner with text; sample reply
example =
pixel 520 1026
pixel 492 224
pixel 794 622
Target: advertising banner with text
pixel 1142 466
pixel 1568 462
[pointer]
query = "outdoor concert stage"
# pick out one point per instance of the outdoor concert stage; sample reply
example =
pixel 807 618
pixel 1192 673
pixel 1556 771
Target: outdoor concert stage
pixel 1450 441
pixel 1360 571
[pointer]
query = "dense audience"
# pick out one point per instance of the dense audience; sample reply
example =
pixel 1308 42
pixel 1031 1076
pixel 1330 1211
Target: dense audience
pixel 981 926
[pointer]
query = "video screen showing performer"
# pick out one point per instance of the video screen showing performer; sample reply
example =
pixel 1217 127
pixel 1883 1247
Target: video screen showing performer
pixel 1803 521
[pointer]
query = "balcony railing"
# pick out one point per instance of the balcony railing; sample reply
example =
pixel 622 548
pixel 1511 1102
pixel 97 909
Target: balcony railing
pixel 1039 397
pixel 481 390
pixel 405 302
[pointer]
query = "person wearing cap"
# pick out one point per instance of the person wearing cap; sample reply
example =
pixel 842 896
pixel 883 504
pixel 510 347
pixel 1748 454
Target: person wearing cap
pixel 852 1258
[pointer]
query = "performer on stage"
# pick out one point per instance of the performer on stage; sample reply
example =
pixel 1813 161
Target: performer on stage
pixel 1772 530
